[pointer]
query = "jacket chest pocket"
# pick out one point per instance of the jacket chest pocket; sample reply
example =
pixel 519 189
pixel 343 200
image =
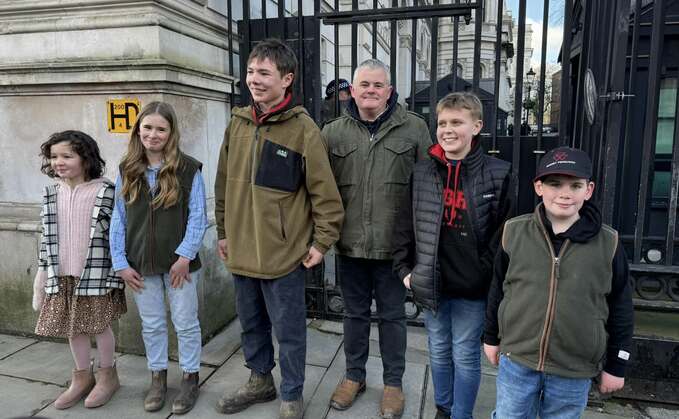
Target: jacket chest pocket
pixel 279 168
pixel 399 158
pixel 343 159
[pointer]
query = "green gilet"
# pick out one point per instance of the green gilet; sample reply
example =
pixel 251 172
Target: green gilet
pixel 153 235
pixel 554 311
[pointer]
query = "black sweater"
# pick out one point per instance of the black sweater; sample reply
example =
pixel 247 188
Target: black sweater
pixel 619 325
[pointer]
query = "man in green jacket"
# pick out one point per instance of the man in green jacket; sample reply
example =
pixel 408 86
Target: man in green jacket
pixel 373 148
pixel 278 211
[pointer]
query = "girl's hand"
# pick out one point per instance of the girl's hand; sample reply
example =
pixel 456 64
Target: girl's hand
pixel 39 289
pixel 406 281
pixel 132 279
pixel 179 272
pixel 609 383
pixel 221 249
pixel 492 353
pixel 313 258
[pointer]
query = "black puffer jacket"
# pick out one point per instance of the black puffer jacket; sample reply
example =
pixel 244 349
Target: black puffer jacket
pixel 485 181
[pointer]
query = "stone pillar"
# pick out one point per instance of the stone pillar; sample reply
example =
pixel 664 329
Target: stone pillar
pixel 60 62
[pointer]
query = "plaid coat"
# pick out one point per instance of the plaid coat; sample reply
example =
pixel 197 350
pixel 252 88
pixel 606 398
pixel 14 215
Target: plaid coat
pixel 97 278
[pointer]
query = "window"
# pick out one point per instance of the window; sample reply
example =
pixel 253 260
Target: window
pixel 664 140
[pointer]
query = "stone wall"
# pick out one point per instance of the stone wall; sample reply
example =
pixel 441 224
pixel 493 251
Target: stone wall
pixel 60 62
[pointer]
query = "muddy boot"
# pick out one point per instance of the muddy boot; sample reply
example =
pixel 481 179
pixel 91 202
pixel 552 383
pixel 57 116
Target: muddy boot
pixel 441 413
pixel 188 394
pixel 258 389
pixel 293 409
pixel 155 397
pixel 346 393
pixel 392 403
pixel 82 382
pixel 107 385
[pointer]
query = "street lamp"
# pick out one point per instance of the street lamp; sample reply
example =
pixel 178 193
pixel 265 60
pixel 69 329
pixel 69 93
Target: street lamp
pixel 530 77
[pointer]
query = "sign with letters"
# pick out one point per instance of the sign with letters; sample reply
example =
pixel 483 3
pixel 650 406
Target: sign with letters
pixel 122 114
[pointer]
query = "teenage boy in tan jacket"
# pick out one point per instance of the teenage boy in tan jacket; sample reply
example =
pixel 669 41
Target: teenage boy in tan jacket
pixel 278 211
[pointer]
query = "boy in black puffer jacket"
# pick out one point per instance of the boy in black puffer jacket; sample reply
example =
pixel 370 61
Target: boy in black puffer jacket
pixel 444 245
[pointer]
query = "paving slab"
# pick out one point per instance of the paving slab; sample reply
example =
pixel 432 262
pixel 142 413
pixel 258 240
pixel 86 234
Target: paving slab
pixel 128 402
pixel 319 405
pixel 223 345
pixel 11 344
pixel 48 362
pixel 23 397
pixel 329 326
pixel 233 374
pixel 367 406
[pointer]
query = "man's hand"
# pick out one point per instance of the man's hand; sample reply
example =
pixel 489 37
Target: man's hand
pixel 221 249
pixel 609 383
pixel 179 272
pixel 492 353
pixel 406 281
pixel 313 258
pixel 132 279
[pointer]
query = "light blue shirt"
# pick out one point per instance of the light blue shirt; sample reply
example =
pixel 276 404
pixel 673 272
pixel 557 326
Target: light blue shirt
pixel 195 227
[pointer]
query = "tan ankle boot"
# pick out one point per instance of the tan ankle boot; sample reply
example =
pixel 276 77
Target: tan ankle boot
pixel 82 382
pixel 107 385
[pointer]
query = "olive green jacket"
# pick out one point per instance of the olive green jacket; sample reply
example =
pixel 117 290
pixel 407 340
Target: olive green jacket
pixel 275 195
pixel 372 174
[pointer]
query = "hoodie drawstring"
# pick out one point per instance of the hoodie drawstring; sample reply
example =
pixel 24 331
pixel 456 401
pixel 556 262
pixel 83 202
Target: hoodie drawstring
pixel 453 209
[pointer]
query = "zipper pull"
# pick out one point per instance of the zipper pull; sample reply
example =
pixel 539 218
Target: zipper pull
pixel 372 137
pixel 557 261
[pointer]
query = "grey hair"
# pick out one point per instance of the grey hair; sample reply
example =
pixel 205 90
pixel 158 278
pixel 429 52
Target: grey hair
pixel 373 64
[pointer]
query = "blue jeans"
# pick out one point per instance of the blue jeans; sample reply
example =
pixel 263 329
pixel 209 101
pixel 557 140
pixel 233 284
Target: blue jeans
pixel 261 303
pixel 525 393
pixel 184 313
pixel 455 353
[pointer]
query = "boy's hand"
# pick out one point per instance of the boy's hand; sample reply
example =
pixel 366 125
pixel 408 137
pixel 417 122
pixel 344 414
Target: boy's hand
pixel 313 258
pixel 132 279
pixel 609 383
pixel 406 281
pixel 179 272
pixel 492 353
pixel 221 249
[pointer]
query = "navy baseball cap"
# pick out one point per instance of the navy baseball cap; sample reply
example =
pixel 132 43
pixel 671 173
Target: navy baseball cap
pixel 565 161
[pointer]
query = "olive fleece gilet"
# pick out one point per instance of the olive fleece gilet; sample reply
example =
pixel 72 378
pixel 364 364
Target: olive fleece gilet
pixel 153 235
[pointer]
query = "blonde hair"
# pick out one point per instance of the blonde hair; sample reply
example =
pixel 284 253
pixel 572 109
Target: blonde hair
pixel 462 100
pixel 135 162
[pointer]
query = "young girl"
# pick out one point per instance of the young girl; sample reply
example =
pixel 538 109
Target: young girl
pixel 75 289
pixel 156 232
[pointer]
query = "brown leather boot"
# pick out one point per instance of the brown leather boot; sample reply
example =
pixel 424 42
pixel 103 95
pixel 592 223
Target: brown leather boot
pixel 107 385
pixel 258 389
pixel 155 397
pixel 188 394
pixel 346 393
pixel 82 382
pixel 392 403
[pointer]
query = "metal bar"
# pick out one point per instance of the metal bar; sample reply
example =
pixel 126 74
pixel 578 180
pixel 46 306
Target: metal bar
pixel 354 37
pixel 583 66
pixel 674 190
pixel 393 44
pixel 281 19
pixel 565 106
pixel 300 46
pixel 631 89
pixel 336 62
pixel 433 73
pixel 413 63
pixel 229 36
pixel 374 27
pixel 399 13
pixel 650 125
pixel 456 35
pixel 478 24
pixel 244 92
pixel 316 82
pixel 496 91
pixel 264 16
pixel 518 98
pixel 543 74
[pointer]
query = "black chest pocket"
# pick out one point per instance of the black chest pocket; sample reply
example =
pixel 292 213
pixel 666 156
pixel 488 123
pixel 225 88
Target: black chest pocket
pixel 279 168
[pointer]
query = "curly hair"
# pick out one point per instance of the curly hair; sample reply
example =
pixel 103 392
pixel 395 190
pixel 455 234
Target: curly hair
pixel 83 145
pixel 134 161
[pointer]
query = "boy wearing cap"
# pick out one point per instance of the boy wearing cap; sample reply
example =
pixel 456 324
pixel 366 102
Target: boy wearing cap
pixel 560 308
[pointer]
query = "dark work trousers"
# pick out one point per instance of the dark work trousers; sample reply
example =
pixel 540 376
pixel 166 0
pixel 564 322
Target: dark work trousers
pixel 261 303
pixel 359 278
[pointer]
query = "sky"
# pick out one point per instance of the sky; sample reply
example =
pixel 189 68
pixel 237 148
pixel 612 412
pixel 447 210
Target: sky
pixel 534 12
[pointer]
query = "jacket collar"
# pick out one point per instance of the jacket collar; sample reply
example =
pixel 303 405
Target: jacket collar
pixel 471 161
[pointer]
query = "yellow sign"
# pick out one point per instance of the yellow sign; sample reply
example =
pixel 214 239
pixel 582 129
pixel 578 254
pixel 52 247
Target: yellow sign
pixel 122 114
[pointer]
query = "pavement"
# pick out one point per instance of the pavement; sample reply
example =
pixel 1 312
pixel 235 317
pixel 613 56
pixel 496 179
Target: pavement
pixel 34 372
